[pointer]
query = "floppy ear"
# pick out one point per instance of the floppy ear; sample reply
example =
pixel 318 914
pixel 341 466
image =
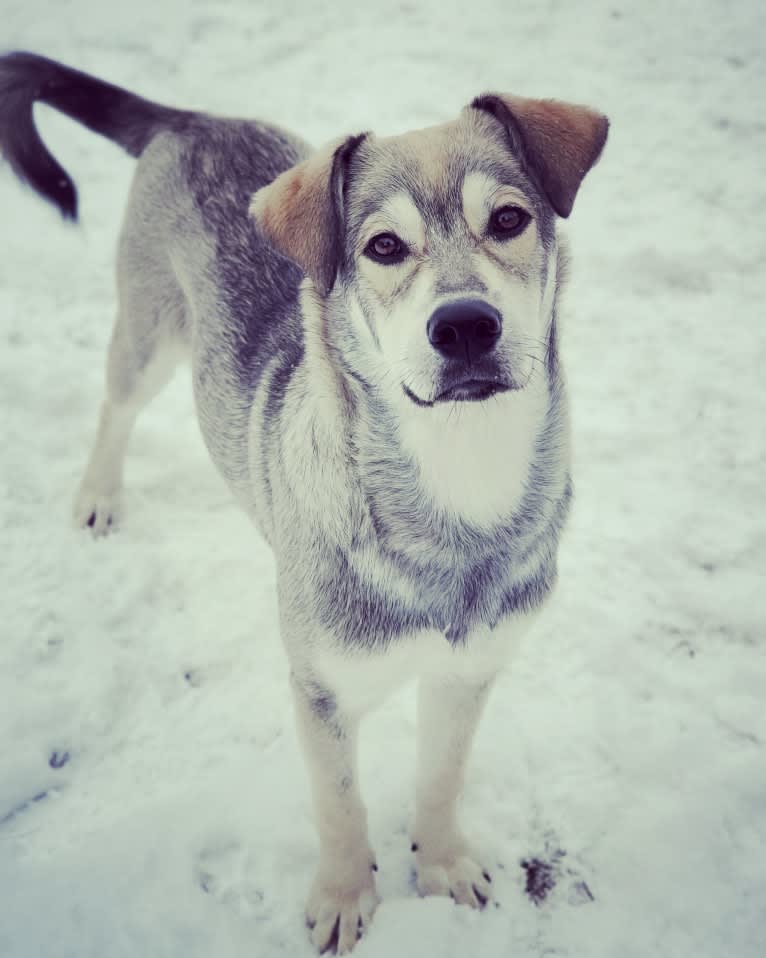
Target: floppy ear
pixel 301 211
pixel 557 142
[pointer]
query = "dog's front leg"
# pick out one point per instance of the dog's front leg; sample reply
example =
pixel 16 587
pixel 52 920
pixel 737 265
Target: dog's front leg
pixel 343 897
pixel 448 713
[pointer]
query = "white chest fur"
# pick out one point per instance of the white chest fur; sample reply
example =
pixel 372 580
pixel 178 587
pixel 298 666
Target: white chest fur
pixel 474 458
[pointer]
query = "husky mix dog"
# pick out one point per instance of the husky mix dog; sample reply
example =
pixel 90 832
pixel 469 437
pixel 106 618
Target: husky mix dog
pixel 373 335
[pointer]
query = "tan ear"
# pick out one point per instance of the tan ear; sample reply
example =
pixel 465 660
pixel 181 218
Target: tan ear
pixel 558 142
pixel 301 211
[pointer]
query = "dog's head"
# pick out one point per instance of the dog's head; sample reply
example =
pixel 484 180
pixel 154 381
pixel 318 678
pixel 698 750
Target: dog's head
pixel 440 243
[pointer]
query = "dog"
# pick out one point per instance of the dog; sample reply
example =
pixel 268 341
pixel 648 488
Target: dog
pixel 374 338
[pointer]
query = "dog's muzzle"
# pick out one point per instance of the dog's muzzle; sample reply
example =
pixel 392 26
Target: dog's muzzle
pixel 465 333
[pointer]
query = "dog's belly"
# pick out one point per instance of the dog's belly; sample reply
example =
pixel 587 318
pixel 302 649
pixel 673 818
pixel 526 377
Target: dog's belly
pixel 362 679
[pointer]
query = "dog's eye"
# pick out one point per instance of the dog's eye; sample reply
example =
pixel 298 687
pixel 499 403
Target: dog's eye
pixel 508 221
pixel 386 248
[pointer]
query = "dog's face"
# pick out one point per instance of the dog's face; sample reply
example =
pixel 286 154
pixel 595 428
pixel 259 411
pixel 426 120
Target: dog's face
pixel 441 243
pixel 447 247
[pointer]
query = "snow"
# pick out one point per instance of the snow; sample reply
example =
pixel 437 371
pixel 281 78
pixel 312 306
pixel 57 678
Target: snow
pixel 630 732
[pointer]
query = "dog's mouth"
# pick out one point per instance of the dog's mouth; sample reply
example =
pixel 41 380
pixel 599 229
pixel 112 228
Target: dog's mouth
pixel 469 390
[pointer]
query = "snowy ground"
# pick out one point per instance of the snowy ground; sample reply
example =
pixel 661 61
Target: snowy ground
pixel 626 749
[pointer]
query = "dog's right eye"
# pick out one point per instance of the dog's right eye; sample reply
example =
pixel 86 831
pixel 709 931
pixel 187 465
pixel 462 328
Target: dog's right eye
pixel 386 248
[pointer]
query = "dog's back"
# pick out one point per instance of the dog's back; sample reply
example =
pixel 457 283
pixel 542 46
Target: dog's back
pixel 191 259
pixel 186 224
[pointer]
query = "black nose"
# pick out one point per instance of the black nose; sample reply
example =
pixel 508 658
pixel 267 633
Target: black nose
pixel 466 329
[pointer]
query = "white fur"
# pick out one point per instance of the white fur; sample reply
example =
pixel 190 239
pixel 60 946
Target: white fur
pixel 475 458
pixel 363 679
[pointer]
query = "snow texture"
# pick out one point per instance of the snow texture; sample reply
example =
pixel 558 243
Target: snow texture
pixel 152 797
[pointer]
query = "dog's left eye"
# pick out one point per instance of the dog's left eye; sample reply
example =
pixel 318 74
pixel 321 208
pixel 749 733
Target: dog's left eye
pixel 386 248
pixel 508 221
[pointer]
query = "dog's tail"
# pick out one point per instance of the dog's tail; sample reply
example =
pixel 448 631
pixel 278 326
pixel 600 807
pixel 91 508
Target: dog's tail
pixel 26 78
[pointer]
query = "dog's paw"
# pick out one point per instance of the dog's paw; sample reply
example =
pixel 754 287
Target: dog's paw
pixel 338 916
pixel 458 875
pixel 98 511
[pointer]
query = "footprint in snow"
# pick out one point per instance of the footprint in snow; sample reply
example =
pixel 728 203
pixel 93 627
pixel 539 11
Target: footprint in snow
pixel 228 875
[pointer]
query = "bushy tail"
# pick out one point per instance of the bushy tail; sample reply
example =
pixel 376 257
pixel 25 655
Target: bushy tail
pixel 26 78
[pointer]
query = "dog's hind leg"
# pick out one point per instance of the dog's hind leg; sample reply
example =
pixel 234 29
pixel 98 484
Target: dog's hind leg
pixel 146 345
